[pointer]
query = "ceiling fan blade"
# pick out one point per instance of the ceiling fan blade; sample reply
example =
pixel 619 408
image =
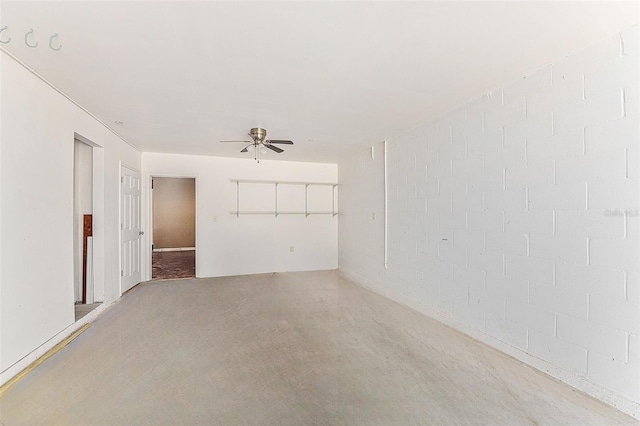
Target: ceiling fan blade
pixel 235 141
pixel 246 148
pixel 274 148
pixel 279 141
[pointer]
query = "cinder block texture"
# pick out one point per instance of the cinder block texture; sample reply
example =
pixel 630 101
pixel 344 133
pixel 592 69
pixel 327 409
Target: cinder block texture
pixel 524 205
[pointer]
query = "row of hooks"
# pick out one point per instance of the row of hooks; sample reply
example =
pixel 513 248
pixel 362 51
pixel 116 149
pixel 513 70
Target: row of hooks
pixel 28 40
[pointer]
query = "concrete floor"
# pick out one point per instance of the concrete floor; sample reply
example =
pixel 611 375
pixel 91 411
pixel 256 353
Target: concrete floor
pixel 83 310
pixel 284 349
pixel 173 264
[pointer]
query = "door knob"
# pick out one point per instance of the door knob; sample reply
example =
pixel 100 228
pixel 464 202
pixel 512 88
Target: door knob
pixel 141 233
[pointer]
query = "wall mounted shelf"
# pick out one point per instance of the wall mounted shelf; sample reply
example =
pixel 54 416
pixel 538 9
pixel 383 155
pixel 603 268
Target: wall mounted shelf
pixel 237 212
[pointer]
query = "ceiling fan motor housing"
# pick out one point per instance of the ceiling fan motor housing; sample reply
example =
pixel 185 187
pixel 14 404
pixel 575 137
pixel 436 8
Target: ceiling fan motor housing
pixel 258 134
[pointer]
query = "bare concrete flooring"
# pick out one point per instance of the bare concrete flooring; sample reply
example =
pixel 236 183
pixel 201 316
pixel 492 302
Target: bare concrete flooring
pixel 83 310
pixel 173 264
pixel 284 349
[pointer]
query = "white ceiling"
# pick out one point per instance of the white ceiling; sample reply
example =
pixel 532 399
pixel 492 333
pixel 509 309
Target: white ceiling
pixel 331 76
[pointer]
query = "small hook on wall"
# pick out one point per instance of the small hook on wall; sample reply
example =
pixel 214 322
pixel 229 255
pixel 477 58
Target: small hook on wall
pixel 55 36
pixel 7 40
pixel 26 39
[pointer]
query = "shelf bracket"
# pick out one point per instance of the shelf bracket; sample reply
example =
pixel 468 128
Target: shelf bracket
pixel 333 200
pixel 306 209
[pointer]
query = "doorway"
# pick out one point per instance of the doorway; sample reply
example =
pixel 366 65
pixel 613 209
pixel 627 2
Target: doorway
pixel 83 247
pixel 173 239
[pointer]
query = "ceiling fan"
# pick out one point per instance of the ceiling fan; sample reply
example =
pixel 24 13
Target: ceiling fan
pixel 259 145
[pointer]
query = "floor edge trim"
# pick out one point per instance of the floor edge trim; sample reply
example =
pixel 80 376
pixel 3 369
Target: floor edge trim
pixel 43 358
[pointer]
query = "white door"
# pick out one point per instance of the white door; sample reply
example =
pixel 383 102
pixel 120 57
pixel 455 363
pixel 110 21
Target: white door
pixel 130 229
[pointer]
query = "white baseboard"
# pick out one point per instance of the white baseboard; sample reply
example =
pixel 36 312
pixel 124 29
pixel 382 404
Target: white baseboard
pixel 33 356
pixel 580 383
pixel 158 250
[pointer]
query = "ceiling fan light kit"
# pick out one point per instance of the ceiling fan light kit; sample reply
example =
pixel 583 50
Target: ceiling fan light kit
pixel 259 145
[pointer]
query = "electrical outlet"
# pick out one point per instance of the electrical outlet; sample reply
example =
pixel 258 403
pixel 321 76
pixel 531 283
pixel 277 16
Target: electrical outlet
pixel 215 218
pixel 373 216
pixel 291 249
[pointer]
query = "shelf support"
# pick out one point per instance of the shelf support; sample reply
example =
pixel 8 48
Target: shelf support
pixel 306 209
pixel 237 199
pixel 333 200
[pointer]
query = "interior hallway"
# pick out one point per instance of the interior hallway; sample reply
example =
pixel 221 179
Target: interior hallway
pixel 292 348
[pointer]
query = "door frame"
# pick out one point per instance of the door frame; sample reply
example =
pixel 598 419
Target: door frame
pixel 122 165
pixel 147 195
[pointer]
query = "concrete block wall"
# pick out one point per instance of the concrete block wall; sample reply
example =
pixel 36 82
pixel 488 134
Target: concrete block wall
pixel 515 218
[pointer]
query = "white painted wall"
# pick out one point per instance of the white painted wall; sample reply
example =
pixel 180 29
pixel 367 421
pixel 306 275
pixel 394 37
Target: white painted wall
pixel 249 244
pixel 2 61
pixel 38 126
pixel 507 220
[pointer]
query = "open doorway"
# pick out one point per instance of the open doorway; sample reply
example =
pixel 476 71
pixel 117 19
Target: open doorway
pixel 173 239
pixel 83 253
